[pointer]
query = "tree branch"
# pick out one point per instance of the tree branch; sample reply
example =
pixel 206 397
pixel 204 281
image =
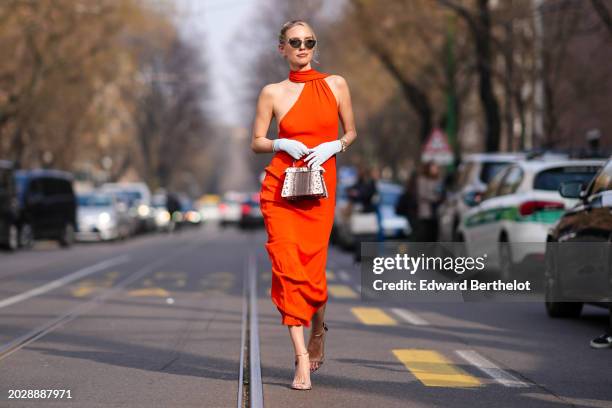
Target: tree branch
pixel 603 13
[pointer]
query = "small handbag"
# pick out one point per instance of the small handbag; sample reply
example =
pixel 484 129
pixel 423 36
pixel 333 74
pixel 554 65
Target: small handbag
pixel 303 182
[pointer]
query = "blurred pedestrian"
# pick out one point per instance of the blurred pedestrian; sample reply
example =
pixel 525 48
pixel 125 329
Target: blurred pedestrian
pixel 173 206
pixel 407 204
pixel 593 148
pixel 429 196
pixel 364 189
pixel 365 193
pixel 298 231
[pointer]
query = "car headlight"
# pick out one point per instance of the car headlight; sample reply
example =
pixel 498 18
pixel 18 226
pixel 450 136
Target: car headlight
pixel 104 218
pixel 163 216
pixel 193 216
pixel 143 210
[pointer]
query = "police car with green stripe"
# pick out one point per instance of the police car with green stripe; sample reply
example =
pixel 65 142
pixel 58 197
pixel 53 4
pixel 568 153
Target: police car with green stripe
pixel 519 206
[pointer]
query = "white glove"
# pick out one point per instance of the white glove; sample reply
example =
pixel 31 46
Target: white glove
pixel 295 148
pixel 319 155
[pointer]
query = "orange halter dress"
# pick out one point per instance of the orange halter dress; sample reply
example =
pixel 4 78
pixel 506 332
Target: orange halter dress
pixel 299 231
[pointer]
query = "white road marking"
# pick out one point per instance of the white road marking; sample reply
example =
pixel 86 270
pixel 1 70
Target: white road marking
pixel 64 280
pixel 344 276
pixel 410 317
pixel 488 367
pixel 81 308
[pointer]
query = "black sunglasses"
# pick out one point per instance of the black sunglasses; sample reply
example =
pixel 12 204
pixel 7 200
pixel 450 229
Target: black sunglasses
pixel 297 43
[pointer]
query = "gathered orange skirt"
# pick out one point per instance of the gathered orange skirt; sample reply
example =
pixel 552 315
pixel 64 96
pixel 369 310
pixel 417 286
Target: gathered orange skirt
pixel 297 246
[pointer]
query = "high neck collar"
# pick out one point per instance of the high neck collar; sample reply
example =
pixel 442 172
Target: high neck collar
pixel 305 76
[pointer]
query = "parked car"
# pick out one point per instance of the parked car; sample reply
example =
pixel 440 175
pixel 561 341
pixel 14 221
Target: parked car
pixel 519 206
pixel 573 276
pixel 230 210
pixel 352 225
pixel 9 226
pixel 252 217
pixel 101 217
pixel 128 202
pixel 186 215
pixel 347 177
pixel 163 218
pixel 47 206
pixel 208 206
pixel 140 200
pixel 471 179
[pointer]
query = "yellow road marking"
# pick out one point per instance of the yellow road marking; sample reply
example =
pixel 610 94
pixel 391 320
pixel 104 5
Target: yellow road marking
pixel 218 282
pixel 160 292
pixel 330 275
pixel 342 291
pixel 170 274
pixel 89 286
pixel 83 291
pixel 434 370
pixel 373 316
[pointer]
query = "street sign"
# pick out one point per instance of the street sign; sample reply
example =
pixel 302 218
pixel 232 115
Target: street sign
pixel 437 148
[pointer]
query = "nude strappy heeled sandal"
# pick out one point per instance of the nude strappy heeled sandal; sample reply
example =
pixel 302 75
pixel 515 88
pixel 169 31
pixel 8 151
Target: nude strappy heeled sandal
pixel 303 386
pixel 320 360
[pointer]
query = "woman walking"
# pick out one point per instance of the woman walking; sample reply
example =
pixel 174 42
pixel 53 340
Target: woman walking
pixel 306 108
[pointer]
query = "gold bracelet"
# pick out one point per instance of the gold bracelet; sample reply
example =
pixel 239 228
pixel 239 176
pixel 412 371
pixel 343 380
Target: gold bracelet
pixel 343 143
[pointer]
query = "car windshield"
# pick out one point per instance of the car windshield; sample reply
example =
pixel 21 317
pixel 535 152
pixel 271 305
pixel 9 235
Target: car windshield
pixel 159 202
pixel 133 195
pixel 550 179
pixel 490 169
pixel 94 200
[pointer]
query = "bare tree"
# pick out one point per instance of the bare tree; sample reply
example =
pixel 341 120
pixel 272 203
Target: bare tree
pixel 603 13
pixel 479 23
pixel 416 97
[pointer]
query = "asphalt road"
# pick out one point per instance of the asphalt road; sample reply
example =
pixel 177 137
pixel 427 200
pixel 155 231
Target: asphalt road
pixel 156 322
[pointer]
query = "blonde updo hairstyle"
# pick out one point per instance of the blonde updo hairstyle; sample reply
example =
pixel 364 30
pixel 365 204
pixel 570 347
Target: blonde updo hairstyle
pixel 282 36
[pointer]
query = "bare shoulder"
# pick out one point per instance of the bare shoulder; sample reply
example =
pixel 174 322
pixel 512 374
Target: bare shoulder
pixel 274 90
pixel 338 86
pixel 338 81
pixel 268 91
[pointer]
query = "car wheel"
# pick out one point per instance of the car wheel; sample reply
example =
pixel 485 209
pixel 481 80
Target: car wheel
pixel 564 309
pixel 26 236
pixel 553 292
pixel 67 237
pixel 506 266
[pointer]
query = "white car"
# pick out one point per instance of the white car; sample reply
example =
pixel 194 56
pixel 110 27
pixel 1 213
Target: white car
pixel 519 206
pixel 357 226
pixel 139 196
pixel 100 216
pixel 230 208
pixel 163 219
pixel 471 179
